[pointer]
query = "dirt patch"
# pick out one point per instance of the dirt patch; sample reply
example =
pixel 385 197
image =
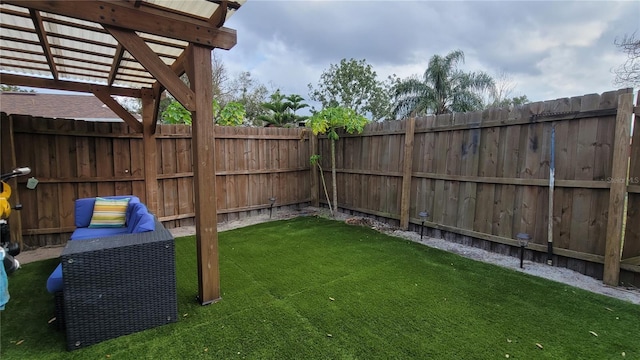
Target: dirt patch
pixel 558 274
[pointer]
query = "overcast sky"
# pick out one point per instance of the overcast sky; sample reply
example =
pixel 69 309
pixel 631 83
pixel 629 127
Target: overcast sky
pixel 550 49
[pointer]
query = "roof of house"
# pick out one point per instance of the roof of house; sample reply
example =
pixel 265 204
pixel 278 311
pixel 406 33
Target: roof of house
pixel 79 107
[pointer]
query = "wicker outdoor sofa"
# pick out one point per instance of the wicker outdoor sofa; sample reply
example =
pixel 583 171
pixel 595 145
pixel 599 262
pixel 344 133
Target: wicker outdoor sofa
pixel 116 285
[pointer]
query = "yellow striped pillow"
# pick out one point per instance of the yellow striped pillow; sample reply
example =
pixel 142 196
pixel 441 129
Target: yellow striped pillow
pixel 109 213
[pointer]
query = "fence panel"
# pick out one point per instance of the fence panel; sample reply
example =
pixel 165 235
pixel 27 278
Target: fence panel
pixel 486 175
pixel 73 159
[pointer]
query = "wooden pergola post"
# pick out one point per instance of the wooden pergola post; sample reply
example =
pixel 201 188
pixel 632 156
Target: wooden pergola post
pixel 150 150
pixel 198 68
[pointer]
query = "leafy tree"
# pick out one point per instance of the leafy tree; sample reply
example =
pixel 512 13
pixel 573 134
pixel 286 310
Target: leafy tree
pixel 508 102
pixel 353 84
pixel 13 88
pixel 175 113
pixel 219 77
pixel 499 94
pixel 248 92
pixel 232 114
pixel 628 74
pixel 282 109
pixel 442 89
pixel 328 121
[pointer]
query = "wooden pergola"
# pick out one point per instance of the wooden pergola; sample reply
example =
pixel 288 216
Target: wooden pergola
pixel 136 48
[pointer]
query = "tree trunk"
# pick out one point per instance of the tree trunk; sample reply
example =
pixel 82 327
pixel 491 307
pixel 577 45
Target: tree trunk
pixel 324 186
pixel 333 176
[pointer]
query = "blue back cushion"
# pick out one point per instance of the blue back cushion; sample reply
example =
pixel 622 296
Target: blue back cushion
pixel 139 219
pixel 84 208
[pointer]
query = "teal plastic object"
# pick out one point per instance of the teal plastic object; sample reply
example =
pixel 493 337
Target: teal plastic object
pixel 4 283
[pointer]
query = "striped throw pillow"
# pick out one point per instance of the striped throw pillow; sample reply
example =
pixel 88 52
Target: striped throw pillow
pixel 109 213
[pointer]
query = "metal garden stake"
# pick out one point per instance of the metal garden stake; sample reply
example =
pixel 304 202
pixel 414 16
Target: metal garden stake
pixel 523 239
pixel 272 200
pixel 423 216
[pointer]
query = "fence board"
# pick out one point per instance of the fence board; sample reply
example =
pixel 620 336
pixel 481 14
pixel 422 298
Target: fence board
pixel 470 167
pixel 488 151
pixel 631 247
pixel 561 210
pixel 583 170
pixel 503 215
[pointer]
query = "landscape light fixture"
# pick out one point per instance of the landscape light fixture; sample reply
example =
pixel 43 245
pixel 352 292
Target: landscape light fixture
pixel 523 240
pixel 423 216
pixel 272 200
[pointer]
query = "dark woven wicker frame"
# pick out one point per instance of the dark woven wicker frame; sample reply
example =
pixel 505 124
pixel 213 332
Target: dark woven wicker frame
pixel 117 285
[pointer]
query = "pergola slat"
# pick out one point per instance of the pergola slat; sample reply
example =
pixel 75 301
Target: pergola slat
pixel 116 63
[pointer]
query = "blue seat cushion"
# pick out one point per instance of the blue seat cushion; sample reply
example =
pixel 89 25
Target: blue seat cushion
pixel 92 233
pixel 54 282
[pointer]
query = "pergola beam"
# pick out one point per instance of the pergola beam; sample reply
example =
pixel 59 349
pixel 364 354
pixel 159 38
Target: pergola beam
pixel 156 93
pixel 20 80
pixel 178 69
pixel 146 19
pixel 125 115
pixel 220 15
pixel 154 65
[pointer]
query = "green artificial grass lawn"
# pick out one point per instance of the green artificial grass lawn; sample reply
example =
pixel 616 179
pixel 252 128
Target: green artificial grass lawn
pixel 311 288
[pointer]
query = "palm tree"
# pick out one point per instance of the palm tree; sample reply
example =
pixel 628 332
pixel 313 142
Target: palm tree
pixel 279 114
pixel 295 103
pixel 283 112
pixel 442 89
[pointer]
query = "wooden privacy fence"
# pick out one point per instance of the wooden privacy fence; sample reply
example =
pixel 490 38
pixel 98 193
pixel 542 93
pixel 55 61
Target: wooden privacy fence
pixel 73 159
pixel 484 177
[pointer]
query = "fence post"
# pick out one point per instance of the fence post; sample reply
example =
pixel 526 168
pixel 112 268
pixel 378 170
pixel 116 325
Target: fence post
pixel 313 150
pixel 8 163
pixel 407 168
pixel 618 189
